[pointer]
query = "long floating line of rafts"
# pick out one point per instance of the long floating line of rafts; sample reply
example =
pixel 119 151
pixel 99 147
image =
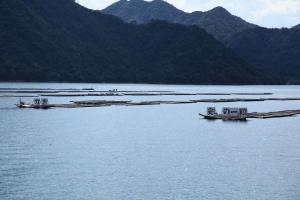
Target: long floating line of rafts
pixel 235 114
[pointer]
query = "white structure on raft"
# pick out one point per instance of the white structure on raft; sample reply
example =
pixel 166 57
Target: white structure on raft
pixel 227 111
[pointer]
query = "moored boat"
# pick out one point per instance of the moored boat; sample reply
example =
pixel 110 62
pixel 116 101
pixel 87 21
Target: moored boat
pixel 228 114
pixel 37 104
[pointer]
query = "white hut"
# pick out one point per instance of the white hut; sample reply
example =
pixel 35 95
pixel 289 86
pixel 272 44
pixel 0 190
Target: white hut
pixel 234 112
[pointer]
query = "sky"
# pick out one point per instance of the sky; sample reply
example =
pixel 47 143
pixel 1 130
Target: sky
pixel 267 13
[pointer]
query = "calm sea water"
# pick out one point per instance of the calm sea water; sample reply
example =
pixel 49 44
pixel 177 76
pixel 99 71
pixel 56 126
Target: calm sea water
pixel 164 152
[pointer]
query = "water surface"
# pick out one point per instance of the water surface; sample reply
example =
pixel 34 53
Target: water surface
pixel 149 152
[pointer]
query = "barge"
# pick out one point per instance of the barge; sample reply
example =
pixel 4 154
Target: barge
pixel 233 114
pixel 38 103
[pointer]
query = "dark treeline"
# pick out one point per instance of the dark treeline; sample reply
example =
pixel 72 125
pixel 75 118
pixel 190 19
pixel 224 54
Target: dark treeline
pixel 275 51
pixel 59 40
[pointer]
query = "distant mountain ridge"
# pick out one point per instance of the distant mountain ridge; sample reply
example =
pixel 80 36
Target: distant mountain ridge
pixel 218 21
pixel 275 51
pixel 59 40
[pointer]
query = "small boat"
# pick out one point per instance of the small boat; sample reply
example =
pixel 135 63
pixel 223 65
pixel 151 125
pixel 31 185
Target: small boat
pixel 113 90
pixel 228 114
pixel 224 118
pixel 37 104
pixel 22 104
pixel 89 89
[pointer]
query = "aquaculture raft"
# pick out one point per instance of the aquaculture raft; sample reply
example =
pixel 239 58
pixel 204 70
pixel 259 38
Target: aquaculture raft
pixel 211 116
pixel 235 114
pixel 245 116
pixel 224 117
pixel 37 104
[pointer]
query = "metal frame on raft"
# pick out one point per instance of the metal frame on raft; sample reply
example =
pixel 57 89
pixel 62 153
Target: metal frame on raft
pixel 240 114
pixel 38 103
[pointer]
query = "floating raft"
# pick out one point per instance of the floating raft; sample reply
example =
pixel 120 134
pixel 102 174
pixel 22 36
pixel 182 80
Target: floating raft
pixel 266 115
pixel 224 117
pixel 97 103
pixel 100 103
pixel 263 115
pixel 140 93
pixel 243 100
pixel 48 106
pixel 73 92
pixel 17 96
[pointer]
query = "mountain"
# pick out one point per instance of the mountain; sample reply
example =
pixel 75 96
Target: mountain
pixel 59 40
pixel 275 51
pixel 218 21
pixel 141 12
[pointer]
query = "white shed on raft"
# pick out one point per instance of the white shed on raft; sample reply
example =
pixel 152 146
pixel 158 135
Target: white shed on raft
pixel 227 113
pixel 234 112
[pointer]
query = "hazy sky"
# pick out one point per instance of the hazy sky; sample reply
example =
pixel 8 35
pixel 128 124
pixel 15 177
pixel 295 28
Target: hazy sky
pixel 268 13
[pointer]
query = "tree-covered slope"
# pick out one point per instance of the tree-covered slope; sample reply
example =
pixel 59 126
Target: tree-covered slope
pixel 218 21
pixel 59 40
pixel 298 26
pixel 142 12
pixel 276 51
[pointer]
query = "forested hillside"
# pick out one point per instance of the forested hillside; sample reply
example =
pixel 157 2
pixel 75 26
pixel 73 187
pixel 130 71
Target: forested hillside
pixel 59 40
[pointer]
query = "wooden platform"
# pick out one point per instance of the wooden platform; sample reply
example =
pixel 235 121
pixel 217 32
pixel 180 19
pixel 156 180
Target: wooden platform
pixel 73 92
pixel 224 117
pixel 262 115
pixel 101 103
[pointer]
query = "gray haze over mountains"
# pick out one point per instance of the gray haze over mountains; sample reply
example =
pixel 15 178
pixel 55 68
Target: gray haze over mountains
pixel 218 21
